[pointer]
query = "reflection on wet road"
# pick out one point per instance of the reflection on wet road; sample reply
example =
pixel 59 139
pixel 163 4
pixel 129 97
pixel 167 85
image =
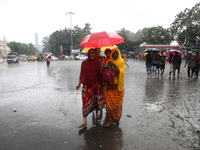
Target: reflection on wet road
pixel 158 113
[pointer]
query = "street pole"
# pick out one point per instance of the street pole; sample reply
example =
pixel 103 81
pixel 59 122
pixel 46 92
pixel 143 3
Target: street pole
pixel 70 14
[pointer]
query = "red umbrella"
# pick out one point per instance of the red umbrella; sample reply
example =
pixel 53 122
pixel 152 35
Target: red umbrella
pixel 101 39
pixel 173 52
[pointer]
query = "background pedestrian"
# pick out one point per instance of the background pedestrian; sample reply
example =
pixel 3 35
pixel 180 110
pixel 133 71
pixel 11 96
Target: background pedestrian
pixel 171 65
pixel 148 64
pixel 190 64
pixel 48 59
pixel 162 63
pixel 176 64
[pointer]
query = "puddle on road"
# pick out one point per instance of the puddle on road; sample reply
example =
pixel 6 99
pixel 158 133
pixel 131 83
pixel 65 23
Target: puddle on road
pixel 157 107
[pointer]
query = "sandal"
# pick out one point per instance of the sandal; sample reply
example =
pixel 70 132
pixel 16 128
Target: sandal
pixel 109 124
pixel 83 126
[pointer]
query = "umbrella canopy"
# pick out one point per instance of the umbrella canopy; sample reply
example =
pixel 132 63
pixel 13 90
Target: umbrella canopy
pixel 101 39
pixel 48 54
pixel 164 54
pixel 152 50
pixel 196 50
pixel 173 52
pixel 101 48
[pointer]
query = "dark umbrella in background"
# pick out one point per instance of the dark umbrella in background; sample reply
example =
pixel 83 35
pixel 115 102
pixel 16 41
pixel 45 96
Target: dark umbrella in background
pixel 196 49
pixel 152 50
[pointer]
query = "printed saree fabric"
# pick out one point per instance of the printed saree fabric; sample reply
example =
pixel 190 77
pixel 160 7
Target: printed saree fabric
pixel 120 63
pixel 93 98
pixel 90 72
pixel 114 101
pixel 92 92
pixel 115 93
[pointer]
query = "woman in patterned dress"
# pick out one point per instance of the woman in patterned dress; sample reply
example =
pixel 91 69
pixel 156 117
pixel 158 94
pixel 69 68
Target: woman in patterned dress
pixel 115 93
pixel 92 91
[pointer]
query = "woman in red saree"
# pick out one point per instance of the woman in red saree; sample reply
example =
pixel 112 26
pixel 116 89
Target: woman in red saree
pixel 115 92
pixel 92 91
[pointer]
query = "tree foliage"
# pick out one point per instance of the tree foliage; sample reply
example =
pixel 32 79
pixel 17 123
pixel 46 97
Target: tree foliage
pixel 185 30
pixel 186 27
pixel 62 38
pixel 128 38
pixel 153 35
pixel 22 48
pixel 156 35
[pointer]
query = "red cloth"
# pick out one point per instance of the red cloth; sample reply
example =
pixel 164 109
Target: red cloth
pixel 197 59
pixel 92 98
pixel 48 59
pixel 106 60
pixel 90 71
pixel 92 92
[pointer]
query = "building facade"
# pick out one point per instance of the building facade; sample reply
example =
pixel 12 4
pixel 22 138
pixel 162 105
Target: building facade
pixel 4 48
pixel 37 45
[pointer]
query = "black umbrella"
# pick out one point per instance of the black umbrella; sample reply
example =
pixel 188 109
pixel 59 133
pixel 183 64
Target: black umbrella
pixel 196 50
pixel 152 50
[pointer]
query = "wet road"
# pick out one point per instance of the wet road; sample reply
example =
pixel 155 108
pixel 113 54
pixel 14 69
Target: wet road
pixel 158 114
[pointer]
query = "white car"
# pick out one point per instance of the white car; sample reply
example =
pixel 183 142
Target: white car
pixel 81 57
pixel 54 58
pixel 1 60
pixel 66 57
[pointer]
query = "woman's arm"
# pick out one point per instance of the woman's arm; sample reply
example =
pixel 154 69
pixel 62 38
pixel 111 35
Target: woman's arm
pixel 79 84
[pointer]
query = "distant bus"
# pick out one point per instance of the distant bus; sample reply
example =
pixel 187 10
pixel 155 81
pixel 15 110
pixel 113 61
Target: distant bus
pixel 164 48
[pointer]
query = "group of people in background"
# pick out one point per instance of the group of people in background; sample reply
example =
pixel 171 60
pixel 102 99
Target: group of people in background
pixel 155 64
pixel 97 94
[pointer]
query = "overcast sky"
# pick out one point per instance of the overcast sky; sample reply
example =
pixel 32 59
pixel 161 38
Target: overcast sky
pixel 21 19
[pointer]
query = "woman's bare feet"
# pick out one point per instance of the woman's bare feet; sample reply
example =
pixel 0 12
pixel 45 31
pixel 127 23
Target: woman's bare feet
pixel 83 125
pixel 109 124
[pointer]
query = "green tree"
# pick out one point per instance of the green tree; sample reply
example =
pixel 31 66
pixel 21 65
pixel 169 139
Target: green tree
pixel 62 38
pixel 186 27
pixel 22 48
pixel 45 44
pixel 157 35
pixel 185 31
pixel 153 35
pixel 79 34
pixel 130 40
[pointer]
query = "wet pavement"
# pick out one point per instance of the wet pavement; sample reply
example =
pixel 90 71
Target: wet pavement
pixel 158 114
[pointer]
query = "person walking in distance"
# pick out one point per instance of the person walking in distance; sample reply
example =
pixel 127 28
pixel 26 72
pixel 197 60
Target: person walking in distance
pixel 48 59
pixel 148 64
pixel 177 64
pixel 197 64
pixel 190 65
pixel 171 68
pixel 162 63
pixel 154 64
